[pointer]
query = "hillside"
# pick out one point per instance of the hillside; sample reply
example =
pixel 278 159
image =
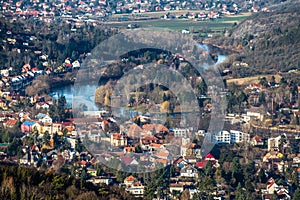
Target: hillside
pixel 17 182
pixel 269 41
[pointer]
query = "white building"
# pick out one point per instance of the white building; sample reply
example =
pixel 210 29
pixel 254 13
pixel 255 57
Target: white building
pixel 222 137
pixel 273 143
pixel 230 137
pixel 189 171
pixel 181 132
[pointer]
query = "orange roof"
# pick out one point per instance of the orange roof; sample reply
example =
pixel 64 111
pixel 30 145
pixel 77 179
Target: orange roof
pixel 298 170
pixel 163 161
pixel 130 178
pixel 11 122
pixel 154 145
pixel 105 121
pixel 129 149
pixel 156 127
pixel 116 136
pixel 162 154
pixel 257 138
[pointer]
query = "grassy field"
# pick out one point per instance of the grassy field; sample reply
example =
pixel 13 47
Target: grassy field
pixel 216 25
pixel 250 80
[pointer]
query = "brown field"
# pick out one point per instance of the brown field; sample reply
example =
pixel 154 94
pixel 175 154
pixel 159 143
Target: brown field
pixel 252 79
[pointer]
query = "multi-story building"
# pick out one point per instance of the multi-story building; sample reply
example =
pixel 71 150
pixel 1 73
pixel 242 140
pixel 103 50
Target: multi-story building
pixel 230 137
pixel 181 132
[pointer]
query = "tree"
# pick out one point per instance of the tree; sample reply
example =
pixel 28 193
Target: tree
pixel 272 81
pixel 15 148
pixel 262 176
pixel 61 108
pixel 239 193
pixel 296 195
pixel 263 81
pixel 237 173
pixel 185 195
pixel 297 121
pixel 165 106
pixel 262 98
pixel 46 138
pixel 5 136
pixel 79 146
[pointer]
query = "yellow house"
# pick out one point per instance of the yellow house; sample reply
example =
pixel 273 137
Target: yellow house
pixel 92 172
pixel 3 105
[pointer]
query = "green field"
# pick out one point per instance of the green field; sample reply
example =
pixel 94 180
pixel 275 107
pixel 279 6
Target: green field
pixel 210 26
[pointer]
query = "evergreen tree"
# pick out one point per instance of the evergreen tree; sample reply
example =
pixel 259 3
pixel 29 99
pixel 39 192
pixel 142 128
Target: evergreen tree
pixel 296 195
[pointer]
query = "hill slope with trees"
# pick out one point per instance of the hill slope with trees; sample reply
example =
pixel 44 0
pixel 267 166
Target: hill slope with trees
pixel 270 41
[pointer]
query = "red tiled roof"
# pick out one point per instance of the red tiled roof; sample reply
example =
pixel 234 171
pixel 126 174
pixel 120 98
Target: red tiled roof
pixel 129 149
pixel 209 157
pixel 154 145
pixel 130 178
pixel 201 164
pixel 134 130
pixel 257 138
pixel 126 160
pixel 11 122
pixel 162 154
pixel 163 161
pixel 157 127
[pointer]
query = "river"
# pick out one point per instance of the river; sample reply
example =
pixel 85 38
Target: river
pixel 85 90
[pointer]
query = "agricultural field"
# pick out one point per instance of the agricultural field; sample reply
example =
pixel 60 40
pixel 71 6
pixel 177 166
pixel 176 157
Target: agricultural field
pixel 194 25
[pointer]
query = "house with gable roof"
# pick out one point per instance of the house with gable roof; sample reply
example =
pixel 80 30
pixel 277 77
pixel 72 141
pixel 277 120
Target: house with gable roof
pixel 257 141
pixel 118 140
pixel 189 171
pixel 27 126
pixel 134 186
pixel 271 186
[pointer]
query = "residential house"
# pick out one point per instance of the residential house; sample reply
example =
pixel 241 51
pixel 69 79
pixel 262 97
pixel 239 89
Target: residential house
pixel 92 172
pixel 155 129
pixel 129 160
pixel 51 128
pixel 101 180
pixel 10 123
pixel 271 186
pixel 273 156
pixel 257 141
pixel 134 131
pixel 256 112
pixel 283 193
pixel 208 157
pixel 147 140
pixel 177 187
pixel 27 126
pixel 273 143
pixel 3 105
pixel 156 147
pixel 189 171
pixel 118 140
pixel 274 188
pixel 129 149
pixel 137 189
pixel 191 159
pixel 128 181
pixel 42 105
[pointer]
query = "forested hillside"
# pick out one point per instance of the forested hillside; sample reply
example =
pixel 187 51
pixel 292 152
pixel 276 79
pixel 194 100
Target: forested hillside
pixel 270 41
pixel 25 41
pixel 18 182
